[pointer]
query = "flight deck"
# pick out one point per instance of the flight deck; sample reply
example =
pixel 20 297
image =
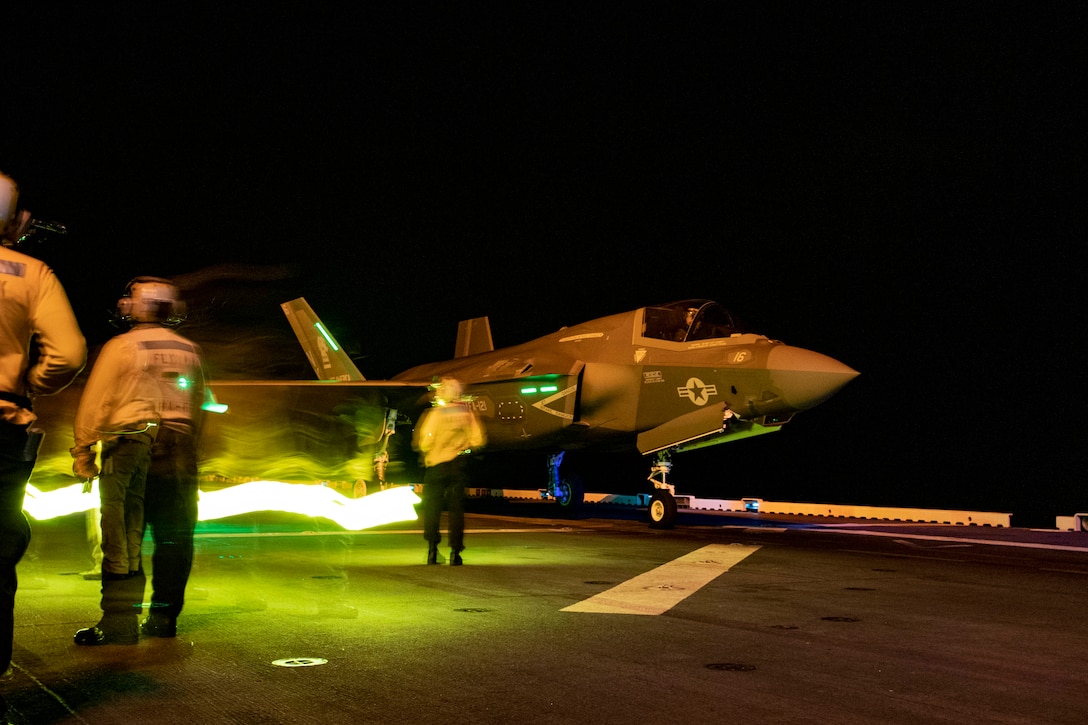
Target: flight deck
pixel 746 616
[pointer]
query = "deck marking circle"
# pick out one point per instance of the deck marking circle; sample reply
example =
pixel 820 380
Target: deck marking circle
pixel 300 662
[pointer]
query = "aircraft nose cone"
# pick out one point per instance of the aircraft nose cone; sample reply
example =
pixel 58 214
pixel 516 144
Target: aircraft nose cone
pixel 805 378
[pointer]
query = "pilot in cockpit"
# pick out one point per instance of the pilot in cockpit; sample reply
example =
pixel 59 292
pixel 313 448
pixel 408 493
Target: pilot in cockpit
pixel 682 331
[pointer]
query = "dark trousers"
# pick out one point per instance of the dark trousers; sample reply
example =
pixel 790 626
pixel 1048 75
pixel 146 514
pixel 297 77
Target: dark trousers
pixel 121 486
pixel 170 509
pixel 444 487
pixel 15 470
pixel 152 487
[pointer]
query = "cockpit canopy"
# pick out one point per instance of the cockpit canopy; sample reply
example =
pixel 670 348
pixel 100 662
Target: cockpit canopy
pixel 689 320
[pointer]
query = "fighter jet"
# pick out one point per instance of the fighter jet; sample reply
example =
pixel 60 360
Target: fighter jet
pixel 661 379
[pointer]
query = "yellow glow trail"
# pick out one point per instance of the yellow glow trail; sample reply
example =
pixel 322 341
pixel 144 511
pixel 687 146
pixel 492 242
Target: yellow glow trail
pixel 389 506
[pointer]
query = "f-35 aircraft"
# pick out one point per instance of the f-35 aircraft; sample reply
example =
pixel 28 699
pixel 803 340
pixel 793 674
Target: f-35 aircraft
pixel 663 379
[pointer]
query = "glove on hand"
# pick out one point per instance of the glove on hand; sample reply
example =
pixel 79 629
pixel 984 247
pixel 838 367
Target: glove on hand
pixel 83 463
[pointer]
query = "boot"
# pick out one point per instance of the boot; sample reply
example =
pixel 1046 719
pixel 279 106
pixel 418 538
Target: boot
pixel 159 625
pixel 112 629
pixel 455 558
pixel 432 553
pixel 119 623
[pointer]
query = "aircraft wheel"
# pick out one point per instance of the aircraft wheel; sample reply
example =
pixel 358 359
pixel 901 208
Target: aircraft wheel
pixel 662 510
pixel 570 493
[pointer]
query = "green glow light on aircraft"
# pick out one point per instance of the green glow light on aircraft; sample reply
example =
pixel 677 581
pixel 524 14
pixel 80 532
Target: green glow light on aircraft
pixel 385 507
pixel 328 337
pixel 542 389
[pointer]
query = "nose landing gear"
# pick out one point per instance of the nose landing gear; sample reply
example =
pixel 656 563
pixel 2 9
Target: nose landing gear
pixel 662 510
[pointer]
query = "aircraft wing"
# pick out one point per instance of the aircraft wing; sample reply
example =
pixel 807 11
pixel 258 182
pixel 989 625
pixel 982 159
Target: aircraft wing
pixel 303 431
pixel 307 430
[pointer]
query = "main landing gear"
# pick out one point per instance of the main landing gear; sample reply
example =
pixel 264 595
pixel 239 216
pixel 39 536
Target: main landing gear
pixel 662 510
pixel 566 489
pixel 380 458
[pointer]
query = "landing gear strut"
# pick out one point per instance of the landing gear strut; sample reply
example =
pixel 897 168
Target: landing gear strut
pixel 567 490
pixel 381 457
pixel 662 509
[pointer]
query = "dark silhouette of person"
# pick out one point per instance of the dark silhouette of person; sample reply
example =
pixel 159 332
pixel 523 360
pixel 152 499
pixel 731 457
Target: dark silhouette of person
pixel 43 352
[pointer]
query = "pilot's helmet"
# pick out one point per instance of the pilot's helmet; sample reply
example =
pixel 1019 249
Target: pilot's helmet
pixel 692 311
pixel 151 299
pixel 9 201
pixel 448 390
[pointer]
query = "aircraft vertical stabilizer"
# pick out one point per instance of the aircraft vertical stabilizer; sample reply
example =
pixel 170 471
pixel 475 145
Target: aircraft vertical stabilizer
pixel 473 336
pixel 327 358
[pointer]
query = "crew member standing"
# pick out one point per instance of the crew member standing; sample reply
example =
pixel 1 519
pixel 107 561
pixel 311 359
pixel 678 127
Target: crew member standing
pixel 143 402
pixel 41 351
pixel 444 435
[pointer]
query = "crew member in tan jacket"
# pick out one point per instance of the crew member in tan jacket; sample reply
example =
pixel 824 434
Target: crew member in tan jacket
pixel 445 435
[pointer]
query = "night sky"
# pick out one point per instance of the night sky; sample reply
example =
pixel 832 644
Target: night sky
pixel 891 186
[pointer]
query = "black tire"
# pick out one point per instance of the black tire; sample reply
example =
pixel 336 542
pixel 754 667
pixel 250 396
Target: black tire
pixel 662 510
pixel 569 494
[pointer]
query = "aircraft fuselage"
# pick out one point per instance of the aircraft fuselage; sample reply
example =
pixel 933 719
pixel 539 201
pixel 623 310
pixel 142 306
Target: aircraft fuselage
pixel 608 379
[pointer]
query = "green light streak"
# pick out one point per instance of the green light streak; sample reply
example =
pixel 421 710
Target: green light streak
pixel 328 336
pixel 210 404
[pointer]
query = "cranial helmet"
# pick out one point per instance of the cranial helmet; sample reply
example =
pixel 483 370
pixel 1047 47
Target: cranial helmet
pixel 151 299
pixel 9 200
pixel 448 390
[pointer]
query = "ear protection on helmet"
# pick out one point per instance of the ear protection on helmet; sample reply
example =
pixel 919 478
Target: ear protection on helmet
pixel 151 299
